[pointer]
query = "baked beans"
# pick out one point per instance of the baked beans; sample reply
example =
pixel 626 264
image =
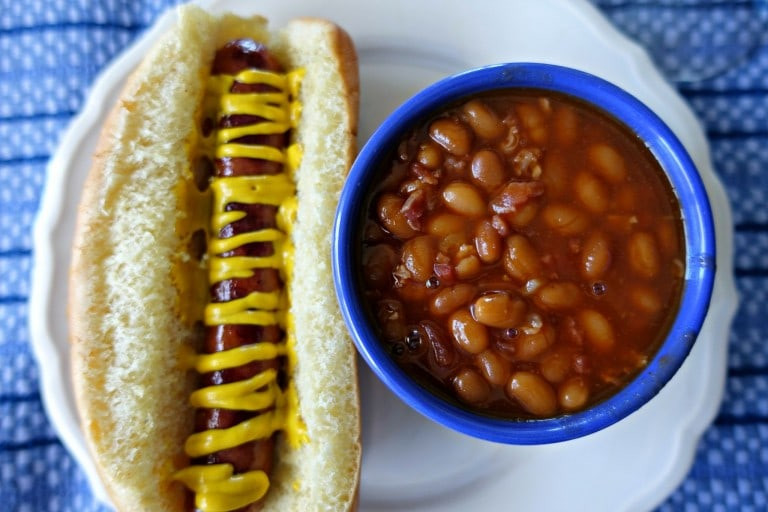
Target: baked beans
pixel 488 169
pixel 523 254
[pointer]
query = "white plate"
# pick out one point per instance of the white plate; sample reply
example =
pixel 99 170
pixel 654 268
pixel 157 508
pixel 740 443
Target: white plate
pixel 409 463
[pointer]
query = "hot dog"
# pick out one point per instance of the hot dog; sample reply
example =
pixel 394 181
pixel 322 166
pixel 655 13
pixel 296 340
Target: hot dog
pixel 211 367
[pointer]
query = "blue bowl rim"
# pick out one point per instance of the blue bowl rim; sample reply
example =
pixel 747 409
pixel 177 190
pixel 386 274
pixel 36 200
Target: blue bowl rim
pixel 699 244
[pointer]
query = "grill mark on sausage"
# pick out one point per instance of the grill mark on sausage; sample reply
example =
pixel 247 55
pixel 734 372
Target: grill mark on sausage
pixel 257 216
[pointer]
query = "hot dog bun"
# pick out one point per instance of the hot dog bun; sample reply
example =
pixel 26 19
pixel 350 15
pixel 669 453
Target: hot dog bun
pixel 129 306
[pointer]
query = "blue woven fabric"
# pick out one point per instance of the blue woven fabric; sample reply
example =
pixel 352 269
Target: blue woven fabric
pixel 714 52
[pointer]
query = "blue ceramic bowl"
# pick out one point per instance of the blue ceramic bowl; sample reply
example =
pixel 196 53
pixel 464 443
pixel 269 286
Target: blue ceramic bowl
pixel 699 247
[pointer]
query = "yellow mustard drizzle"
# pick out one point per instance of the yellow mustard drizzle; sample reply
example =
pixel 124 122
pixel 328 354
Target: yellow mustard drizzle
pixel 216 487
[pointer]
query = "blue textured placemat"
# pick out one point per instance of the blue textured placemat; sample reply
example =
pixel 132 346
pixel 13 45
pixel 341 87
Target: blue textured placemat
pixel 715 52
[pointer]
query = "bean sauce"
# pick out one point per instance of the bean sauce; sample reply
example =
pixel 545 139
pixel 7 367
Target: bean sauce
pixel 522 254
